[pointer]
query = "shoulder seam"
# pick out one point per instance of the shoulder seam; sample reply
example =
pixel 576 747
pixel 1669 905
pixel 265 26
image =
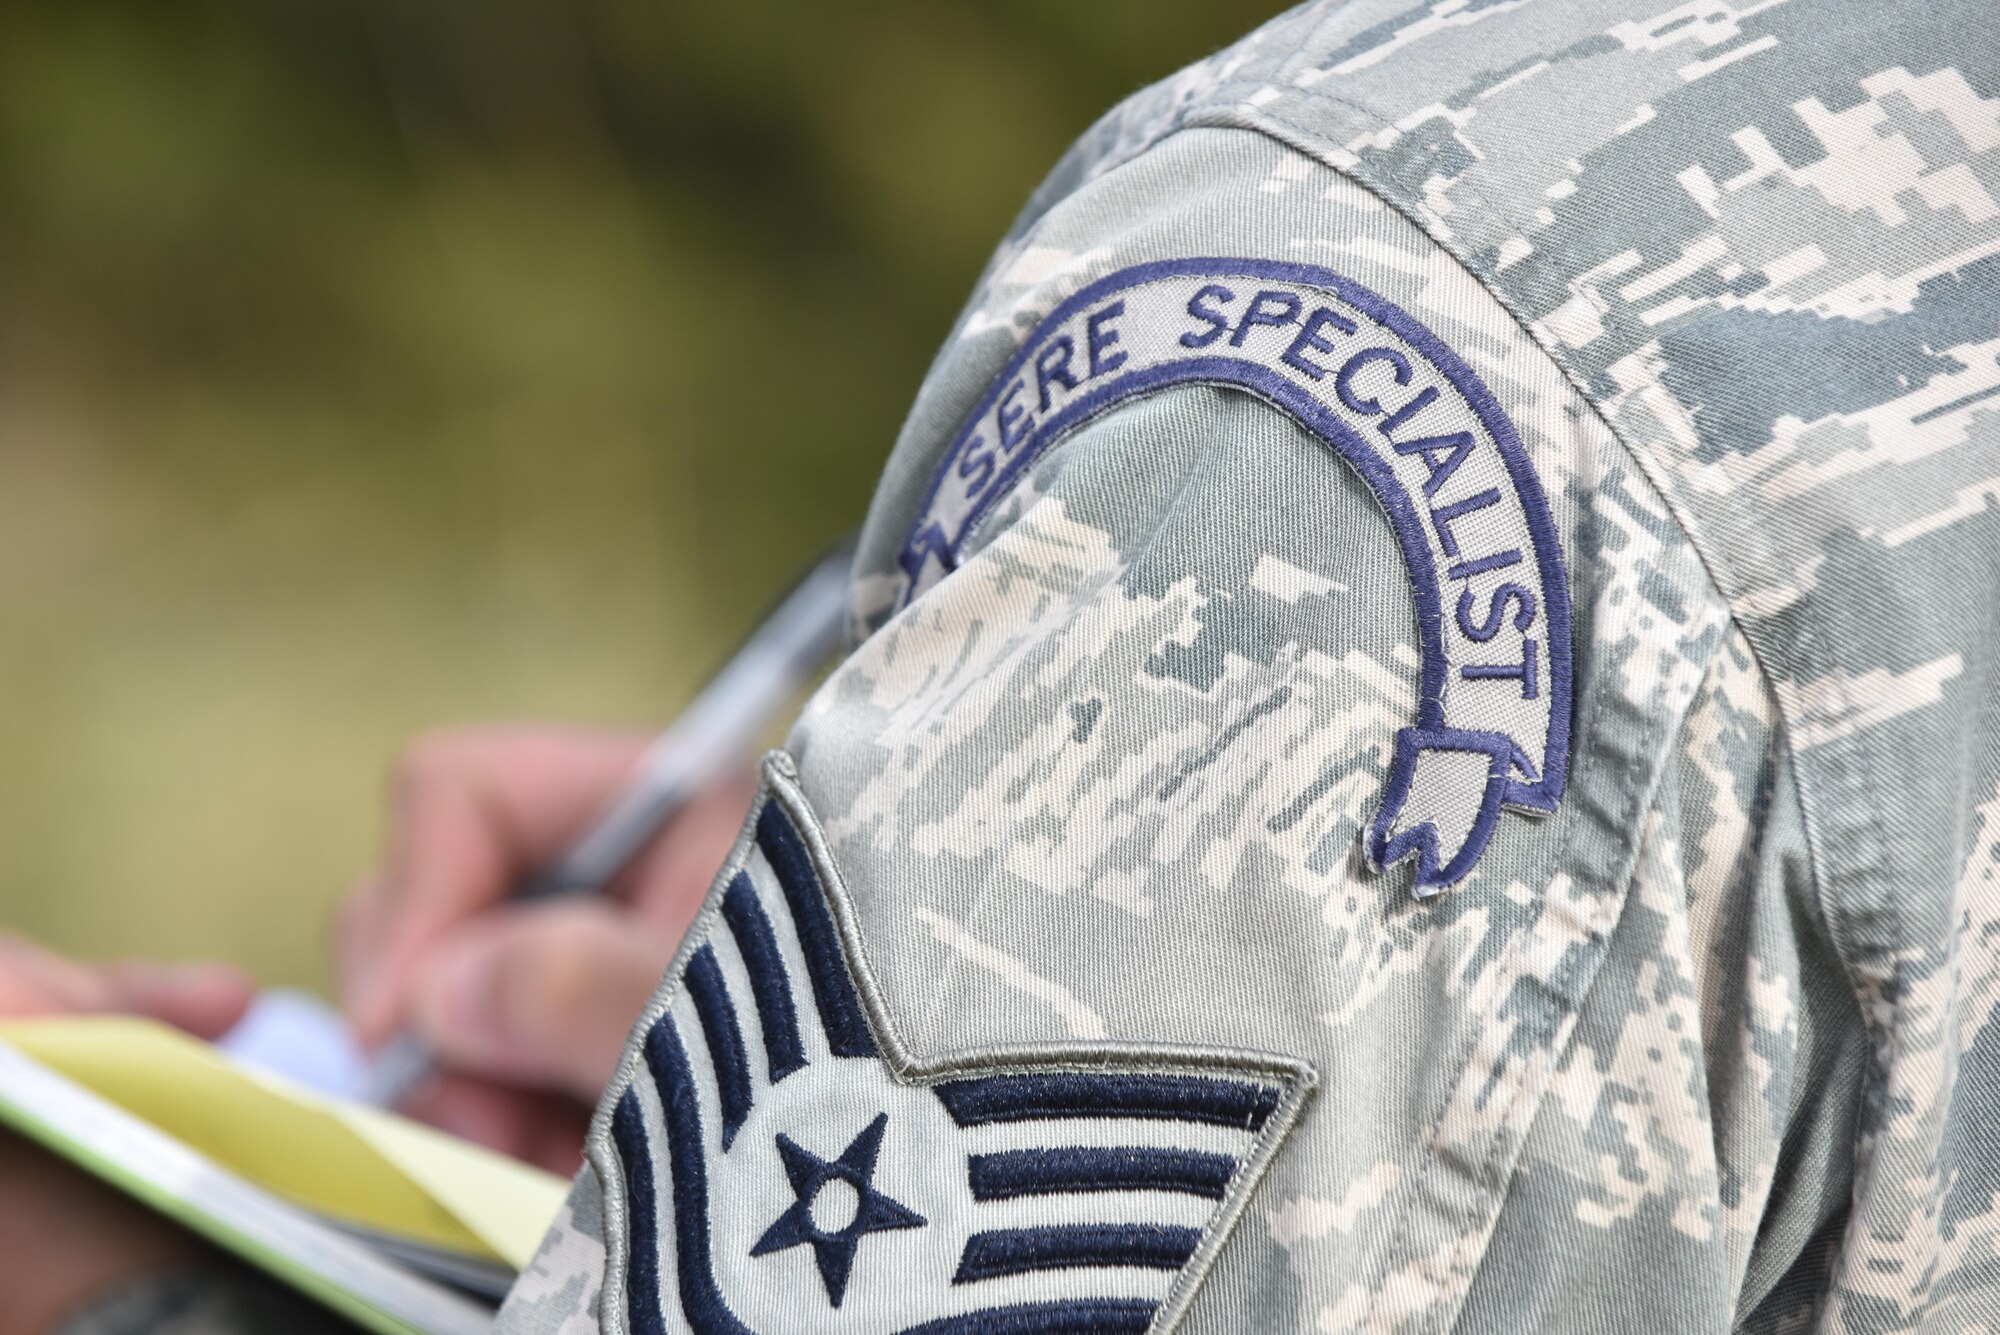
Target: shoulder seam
pixel 1303 141
pixel 1257 123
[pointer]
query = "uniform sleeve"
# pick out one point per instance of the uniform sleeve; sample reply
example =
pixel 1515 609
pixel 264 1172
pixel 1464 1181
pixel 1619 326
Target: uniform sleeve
pixel 207 1298
pixel 1220 892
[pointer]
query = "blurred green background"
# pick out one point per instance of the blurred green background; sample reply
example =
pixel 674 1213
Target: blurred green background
pixel 366 366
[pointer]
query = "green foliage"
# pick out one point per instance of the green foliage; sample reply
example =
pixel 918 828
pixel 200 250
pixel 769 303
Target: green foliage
pixel 365 366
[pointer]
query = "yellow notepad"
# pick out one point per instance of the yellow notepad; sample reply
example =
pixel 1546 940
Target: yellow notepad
pixel 366 1170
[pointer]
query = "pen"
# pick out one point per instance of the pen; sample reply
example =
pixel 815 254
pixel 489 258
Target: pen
pixel 719 724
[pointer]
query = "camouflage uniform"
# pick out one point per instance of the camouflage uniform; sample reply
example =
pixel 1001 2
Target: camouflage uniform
pixel 1713 1045
pixel 213 1296
pixel 1709 1045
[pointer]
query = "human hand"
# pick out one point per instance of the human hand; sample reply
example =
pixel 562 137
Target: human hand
pixel 204 999
pixel 65 1236
pixel 526 1006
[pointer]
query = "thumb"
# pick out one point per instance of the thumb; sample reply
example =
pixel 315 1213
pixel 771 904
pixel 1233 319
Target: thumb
pixel 204 999
pixel 540 997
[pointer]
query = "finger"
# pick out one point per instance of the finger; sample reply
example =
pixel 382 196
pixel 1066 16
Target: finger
pixel 34 981
pixel 472 811
pixel 535 1126
pixel 540 997
pixel 668 880
pixel 356 925
pixel 203 999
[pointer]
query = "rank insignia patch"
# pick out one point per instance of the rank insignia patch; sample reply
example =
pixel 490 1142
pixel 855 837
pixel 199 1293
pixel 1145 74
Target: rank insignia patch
pixel 772 1166
pixel 1420 428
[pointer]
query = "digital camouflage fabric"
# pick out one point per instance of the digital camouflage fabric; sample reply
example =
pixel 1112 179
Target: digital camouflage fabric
pixel 1714 1044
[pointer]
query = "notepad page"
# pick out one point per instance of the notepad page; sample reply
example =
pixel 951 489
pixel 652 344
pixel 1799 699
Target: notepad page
pixel 279 1238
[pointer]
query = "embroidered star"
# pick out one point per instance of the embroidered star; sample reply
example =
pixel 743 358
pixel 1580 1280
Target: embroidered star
pixel 873 1212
